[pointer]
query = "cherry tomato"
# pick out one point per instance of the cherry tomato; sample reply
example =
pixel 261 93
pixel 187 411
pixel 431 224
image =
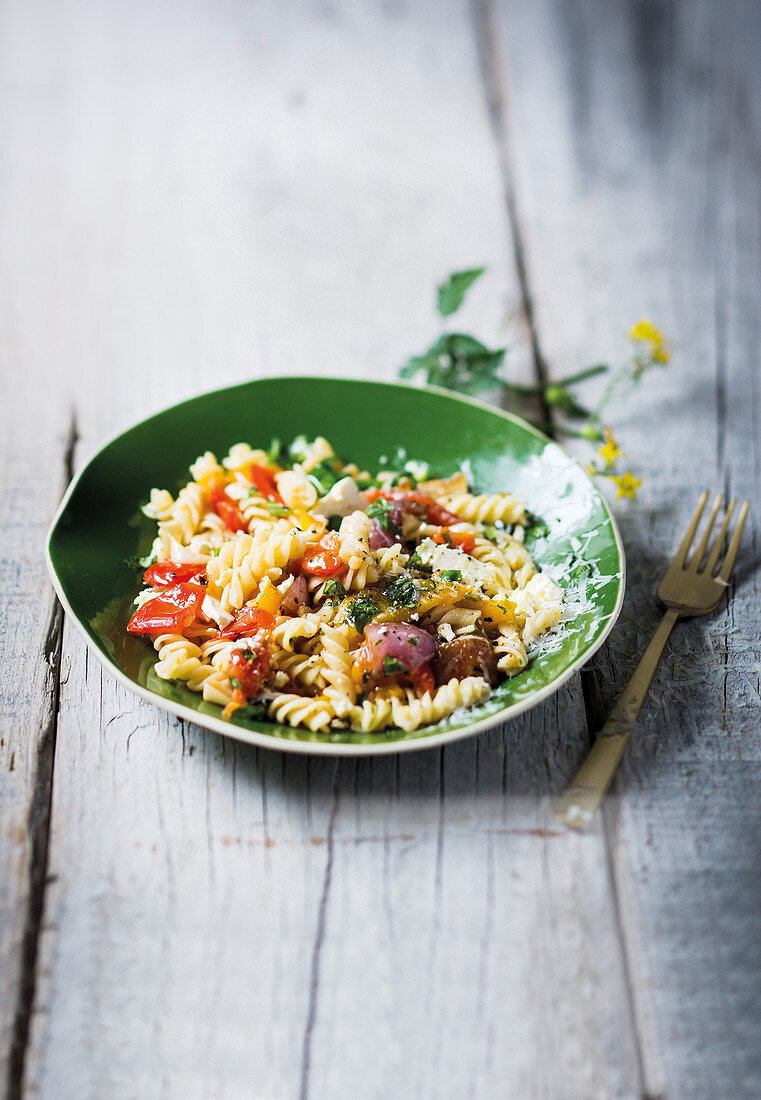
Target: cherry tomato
pixel 417 504
pixel 263 480
pixel 165 573
pixel 174 609
pixel 322 560
pixel 228 512
pixel 249 668
pixel 248 621
pixel 461 540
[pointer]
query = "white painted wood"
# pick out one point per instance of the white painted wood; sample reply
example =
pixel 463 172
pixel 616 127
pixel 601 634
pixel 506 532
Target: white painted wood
pixel 196 194
pixel 33 442
pixel 634 134
pixel 253 190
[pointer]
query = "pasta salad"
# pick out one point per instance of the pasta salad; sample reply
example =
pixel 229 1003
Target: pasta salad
pixel 290 585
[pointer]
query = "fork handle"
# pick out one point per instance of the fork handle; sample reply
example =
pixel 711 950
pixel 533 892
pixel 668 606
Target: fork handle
pixel 588 787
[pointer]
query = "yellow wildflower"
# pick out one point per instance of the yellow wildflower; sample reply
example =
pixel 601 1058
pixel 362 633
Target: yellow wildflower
pixel 610 451
pixel 626 484
pixel 645 332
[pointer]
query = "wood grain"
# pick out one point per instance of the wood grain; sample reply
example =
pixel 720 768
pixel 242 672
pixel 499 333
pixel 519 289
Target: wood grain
pixel 635 140
pixel 195 195
pixel 202 901
pixel 35 446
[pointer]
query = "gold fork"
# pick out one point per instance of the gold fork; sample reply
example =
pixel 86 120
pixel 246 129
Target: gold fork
pixel 691 586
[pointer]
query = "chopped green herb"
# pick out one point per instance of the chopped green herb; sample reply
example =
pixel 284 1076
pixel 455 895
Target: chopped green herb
pixel 580 569
pixel 324 476
pixel 401 591
pixel 392 666
pixel 361 611
pixel 538 529
pixel 334 523
pixel 275 450
pixel 334 591
pixel 278 509
pixel 235 684
pixel 417 563
pixel 297 448
pixel 450 575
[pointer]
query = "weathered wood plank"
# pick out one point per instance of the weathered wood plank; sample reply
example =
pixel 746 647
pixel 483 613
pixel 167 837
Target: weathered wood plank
pixel 253 191
pixel 33 471
pixel 635 137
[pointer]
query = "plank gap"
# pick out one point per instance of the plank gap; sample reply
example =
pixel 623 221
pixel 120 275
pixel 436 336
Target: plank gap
pixel 39 826
pixel 314 978
pixel 495 94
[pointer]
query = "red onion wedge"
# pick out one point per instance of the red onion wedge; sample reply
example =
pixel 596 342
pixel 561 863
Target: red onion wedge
pixel 296 596
pixel 410 645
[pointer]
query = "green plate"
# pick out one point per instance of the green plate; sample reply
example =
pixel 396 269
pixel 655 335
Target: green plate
pixel 99 526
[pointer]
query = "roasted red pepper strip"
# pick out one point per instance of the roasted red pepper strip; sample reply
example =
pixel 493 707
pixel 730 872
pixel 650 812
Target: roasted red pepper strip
pixel 166 573
pixel 174 609
pixel 227 510
pixel 322 560
pixel 248 621
pixel 263 480
pixel 459 540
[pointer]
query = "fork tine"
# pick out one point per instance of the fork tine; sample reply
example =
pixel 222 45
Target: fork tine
pixel 714 555
pixel 734 545
pixel 694 563
pixel 684 546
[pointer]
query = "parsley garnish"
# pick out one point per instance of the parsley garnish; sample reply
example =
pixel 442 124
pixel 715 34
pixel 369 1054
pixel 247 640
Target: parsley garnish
pixel 277 509
pixel 450 575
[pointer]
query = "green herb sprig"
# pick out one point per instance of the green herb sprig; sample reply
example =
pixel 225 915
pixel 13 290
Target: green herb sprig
pixel 458 361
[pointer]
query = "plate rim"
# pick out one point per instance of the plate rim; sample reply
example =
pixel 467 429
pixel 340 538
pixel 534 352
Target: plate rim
pixel 329 748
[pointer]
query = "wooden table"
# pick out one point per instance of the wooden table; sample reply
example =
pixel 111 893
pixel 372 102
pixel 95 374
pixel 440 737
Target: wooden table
pixel 196 194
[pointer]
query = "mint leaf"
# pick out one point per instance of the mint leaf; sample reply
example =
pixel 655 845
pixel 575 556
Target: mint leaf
pixel 334 591
pixel 402 591
pixel 361 611
pixel 450 295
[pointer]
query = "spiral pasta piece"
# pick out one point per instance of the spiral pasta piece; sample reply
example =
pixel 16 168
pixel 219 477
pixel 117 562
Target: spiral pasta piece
pixel 299 710
pixel 445 700
pixel 337 659
pixel 486 507
pixel 354 550
pixel 391 560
